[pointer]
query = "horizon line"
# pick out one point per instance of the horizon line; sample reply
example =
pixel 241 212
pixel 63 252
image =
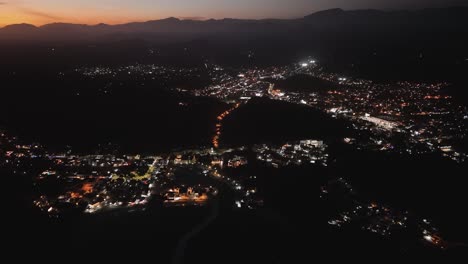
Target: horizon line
pixel 201 19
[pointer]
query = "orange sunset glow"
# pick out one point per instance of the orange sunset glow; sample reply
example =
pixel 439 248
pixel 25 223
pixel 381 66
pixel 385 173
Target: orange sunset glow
pixel 15 12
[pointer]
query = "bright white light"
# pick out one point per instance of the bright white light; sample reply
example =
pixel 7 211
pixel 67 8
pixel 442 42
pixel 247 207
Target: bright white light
pixel 428 238
pixel 312 61
pixel 238 204
pixel 304 64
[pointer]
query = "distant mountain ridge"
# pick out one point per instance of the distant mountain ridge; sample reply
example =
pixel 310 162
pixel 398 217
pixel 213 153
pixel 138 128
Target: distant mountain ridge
pixel 332 19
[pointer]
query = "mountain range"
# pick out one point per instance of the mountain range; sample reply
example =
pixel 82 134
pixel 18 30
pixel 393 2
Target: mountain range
pixel 442 19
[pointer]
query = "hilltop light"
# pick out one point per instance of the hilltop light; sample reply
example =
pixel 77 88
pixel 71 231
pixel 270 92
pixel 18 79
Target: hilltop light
pixel 428 238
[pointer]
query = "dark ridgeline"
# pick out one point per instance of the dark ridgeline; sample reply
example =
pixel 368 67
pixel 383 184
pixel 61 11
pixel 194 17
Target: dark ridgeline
pixel 267 121
pixel 433 20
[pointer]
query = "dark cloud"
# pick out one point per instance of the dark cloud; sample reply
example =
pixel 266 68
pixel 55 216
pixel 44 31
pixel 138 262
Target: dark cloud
pixel 3 3
pixel 40 14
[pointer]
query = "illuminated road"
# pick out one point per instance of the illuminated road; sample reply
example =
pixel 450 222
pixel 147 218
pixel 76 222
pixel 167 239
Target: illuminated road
pixel 183 242
pixel 219 124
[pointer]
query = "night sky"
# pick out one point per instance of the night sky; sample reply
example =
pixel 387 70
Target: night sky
pixel 120 11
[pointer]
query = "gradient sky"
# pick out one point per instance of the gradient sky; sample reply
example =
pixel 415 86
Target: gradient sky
pixel 40 12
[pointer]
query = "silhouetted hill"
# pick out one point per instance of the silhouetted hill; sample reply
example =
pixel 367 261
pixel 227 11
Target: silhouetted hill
pixel 420 19
pixel 326 13
pixel 19 27
pixel 18 31
pixel 338 19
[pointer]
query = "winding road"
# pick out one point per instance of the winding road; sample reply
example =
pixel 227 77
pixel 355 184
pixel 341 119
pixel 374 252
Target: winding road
pixel 183 242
